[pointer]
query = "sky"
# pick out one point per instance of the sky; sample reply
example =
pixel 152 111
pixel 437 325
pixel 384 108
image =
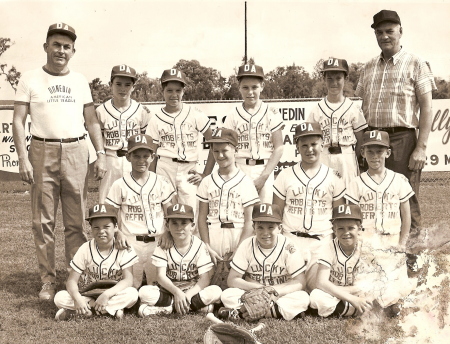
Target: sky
pixel 154 35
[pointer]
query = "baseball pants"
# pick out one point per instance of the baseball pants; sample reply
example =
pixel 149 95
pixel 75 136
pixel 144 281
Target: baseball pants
pixel 289 305
pixel 144 252
pixel 311 249
pixel 60 172
pixel 115 169
pixel 254 171
pixel 224 240
pixel 326 303
pixel 345 163
pixel 123 299
pixel 149 294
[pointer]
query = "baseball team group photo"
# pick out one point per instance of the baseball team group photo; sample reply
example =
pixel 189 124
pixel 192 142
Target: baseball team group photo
pixel 182 221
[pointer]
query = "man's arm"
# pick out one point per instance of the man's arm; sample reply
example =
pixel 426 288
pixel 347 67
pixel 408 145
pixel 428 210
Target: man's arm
pixel 418 156
pixel 95 133
pixel 19 119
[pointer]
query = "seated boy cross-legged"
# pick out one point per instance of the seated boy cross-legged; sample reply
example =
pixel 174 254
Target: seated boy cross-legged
pixel 267 259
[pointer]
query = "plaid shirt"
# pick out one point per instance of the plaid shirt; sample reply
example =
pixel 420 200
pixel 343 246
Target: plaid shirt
pixel 389 89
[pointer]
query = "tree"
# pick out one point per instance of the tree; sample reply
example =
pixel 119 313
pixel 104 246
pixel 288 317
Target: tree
pixel 12 75
pixel 147 89
pixel 354 72
pixel 443 89
pixel 202 82
pixel 288 82
pixel 100 92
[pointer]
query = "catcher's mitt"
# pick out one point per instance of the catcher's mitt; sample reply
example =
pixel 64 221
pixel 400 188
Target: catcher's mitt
pixel 257 302
pixel 222 271
pixel 95 289
pixel 227 333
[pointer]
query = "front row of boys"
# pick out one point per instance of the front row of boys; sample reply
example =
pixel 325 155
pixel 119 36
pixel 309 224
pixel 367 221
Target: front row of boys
pixel 304 194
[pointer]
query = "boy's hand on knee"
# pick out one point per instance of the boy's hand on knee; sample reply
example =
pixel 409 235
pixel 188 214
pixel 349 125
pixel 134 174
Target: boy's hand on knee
pixel 361 305
pixel 102 302
pixel 82 307
pixel 181 302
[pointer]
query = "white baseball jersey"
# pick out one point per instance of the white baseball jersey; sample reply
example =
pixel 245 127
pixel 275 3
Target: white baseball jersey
pixel 269 266
pixel 56 103
pixel 94 267
pixel 254 131
pixel 177 134
pixel 141 211
pixel 309 201
pixel 184 267
pixel 380 203
pixel 118 126
pixel 338 125
pixel 227 198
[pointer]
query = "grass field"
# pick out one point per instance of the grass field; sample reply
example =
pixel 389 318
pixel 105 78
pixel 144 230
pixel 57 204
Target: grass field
pixel 26 319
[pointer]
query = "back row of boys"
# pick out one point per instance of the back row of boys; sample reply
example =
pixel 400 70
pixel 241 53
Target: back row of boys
pixel 304 194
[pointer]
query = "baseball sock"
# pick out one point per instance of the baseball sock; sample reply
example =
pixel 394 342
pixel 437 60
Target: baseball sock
pixel 274 312
pixel 165 299
pixel 196 303
pixel 344 309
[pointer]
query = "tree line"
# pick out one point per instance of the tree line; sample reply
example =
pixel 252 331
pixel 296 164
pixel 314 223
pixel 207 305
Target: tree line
pixel 206 83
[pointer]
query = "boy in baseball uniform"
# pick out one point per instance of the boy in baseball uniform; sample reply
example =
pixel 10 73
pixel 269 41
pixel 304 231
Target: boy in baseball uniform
pixel 226 199
pixel 344 277
pixel 182 270
pixel 259 132
pixel 98 260
pixel 383 197
pixel 307 193
pixel 120 117
pixel 267 259
pixel 175 128
pixel 142 198
pixel 341 120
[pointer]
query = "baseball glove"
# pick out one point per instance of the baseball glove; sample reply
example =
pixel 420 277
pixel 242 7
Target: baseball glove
pixel 95 289
pixel 227 333
pixel 257 302
pixel 222 271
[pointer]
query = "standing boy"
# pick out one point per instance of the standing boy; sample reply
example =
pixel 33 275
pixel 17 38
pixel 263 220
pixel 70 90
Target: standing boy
pixel 259 132
pixel 175 128
pixel 267 259
pixel 120 118
pixel 226 199
pixel 307 192
pixel 340 265
pixel 142 198
pixel 383 197
pixel 341 120
pixel 98 260
pixel 182 270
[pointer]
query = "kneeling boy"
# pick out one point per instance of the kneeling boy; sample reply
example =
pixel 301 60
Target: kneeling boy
pixel 182 270
pixel 267 259
pixel 98 260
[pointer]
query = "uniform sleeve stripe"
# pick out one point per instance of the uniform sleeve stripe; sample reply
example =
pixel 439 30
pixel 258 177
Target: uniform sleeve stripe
pixel 132 260
pixel 407 197
pixel 162 259
pixel 88 104
pixel 340 195
pixel 75 267
pixel 324 262
pixel 237 268
pixel 279 126
pixel 351 199
pixel 205 128
pixel 361 127
pixel 173 193
pixel 299 271
pixel 253 201
pixel 278 193
pixel 110 201
pixel 200 198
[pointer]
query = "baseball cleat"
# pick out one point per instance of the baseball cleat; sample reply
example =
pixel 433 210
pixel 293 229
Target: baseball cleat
pixel 146 310
pixel 225 313
pixel 392 311
pixel 48 291
pixel 64 314
pixel 119 314
pixel 207 309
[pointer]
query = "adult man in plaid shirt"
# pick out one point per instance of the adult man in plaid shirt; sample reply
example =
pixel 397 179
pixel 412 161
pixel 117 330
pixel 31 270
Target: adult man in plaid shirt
pixel 396 87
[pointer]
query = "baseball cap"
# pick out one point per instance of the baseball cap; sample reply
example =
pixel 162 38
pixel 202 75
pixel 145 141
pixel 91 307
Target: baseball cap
pixel 102 210
pixel 224 135
pixel 180 211
pixel 250 70
pixel 141 141
pixel 123 70
pixel 173 75
pixel 62 28
pixel 334 64
pixel 375 137
pixel 266 212
pixel 385 15
pixel 307 129
pixel 347 211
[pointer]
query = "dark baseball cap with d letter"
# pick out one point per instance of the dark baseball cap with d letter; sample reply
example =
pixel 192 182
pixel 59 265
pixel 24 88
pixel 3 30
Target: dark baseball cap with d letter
pixel 223 135
pixel 124 70
pixel 307 129
pixel 266 212
pixel 333 64
pixel 63 29
pixel 173 75
pixel 102 210
pixel 347 211
pixel 141 141
pixel 375 137
pixel 250 70
pixel 180 211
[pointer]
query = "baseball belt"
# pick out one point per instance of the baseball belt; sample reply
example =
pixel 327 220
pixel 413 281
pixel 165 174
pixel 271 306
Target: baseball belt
pixel 121 152
pixel 175 160
pixel 145 238
pixel 75 139
pixel 253 162
pixel 227 225
pixel 306 235
pixel 391 130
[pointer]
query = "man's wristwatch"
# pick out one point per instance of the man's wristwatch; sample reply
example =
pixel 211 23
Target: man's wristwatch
pixel 101 152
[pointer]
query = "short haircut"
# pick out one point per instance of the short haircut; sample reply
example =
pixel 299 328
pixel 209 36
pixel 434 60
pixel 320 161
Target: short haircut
pixel 59 33
pixel 164 84
pixel 250 76
pixel 113 220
